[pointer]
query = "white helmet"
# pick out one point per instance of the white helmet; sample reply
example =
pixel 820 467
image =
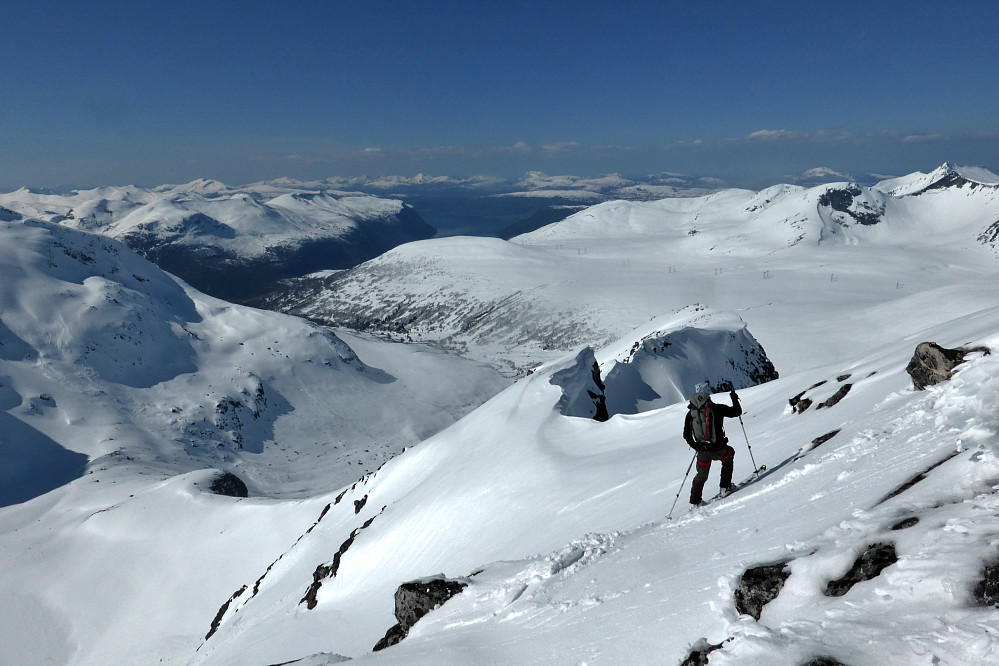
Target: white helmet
pixel 699 398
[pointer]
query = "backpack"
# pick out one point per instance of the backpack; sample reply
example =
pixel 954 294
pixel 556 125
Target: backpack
pixel 701 426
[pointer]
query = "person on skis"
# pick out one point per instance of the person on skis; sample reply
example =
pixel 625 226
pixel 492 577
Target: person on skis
pixel 704 431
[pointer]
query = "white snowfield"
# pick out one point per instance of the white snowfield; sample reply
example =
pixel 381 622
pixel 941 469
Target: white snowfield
pixel 557 524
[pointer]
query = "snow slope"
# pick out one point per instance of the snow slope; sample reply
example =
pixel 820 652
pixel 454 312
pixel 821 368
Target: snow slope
pixel 558 525
pixel 771 256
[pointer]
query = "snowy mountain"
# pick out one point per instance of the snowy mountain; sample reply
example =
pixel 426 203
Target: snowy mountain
pixel 600 273
pixel 106 357
pixel 869 540
pixel 233 242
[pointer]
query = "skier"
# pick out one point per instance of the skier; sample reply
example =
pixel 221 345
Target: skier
pixel 704 431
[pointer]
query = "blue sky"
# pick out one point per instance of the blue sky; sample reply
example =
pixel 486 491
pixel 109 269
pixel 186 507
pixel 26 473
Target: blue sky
pixel 123 92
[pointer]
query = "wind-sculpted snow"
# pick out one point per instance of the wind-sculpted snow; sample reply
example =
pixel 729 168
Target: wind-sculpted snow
pixel 680 355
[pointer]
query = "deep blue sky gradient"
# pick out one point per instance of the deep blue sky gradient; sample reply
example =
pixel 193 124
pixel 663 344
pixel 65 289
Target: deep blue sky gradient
pixel 113 92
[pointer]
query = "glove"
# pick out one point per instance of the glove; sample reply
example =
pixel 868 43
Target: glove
pixel 735 396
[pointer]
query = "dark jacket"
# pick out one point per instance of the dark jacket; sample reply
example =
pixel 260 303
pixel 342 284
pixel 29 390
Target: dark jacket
pixel 716 416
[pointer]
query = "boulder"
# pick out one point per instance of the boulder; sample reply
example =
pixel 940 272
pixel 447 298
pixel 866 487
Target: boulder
pixel 986 593
pixel 932 364
pixel 759 586
pixel 699 652
pixel 870 564
pixel 415 599
pixel 228 484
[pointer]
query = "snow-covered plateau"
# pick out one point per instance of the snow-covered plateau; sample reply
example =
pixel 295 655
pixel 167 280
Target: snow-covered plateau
pixel 126 392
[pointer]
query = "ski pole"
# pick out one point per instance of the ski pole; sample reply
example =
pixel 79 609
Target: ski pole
pixel 755 468
pixel 669 516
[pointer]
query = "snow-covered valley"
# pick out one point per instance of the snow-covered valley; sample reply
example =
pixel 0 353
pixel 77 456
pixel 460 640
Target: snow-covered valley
pixel 125 392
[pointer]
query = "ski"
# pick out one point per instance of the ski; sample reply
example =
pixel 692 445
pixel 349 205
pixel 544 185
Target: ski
pixel 739 486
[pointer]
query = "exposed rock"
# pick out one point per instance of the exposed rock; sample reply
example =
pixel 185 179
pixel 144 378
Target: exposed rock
pixel 699 652
pixel 991 235
pixel 905 523
pixel 837 396
pixel 415 599
pixel 986 593
pixel 819 441
pixel 799 404
pixel 582 389
pixel 870 564
pixel 843 378
pixel 932 364
pixel 324 571
pixel 823 661
pixel 229 484
pixel 759 586
pixel 218 616
pixel 849 202
pixel 916 479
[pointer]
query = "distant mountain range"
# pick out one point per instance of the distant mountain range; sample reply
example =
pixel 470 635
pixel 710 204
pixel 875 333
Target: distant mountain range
pixel 232 242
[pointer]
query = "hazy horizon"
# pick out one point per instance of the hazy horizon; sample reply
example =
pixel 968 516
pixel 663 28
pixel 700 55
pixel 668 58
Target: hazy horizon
pixel 105 93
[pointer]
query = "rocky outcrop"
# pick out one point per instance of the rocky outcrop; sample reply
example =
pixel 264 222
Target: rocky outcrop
pixel 869 565
pixel 914 480
pixel 324 571
pixel 836 397
pixel 759 586
pixel 932 364
pixel 415 599
pixel 986 593
pixel 699 652
pixel 582 389
pixel 228 484
pixel 849 202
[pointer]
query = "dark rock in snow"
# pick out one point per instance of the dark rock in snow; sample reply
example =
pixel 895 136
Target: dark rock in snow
pixel 932 364
pixel 218 616
pixel 800 404
pixel 699 652
pixel 582 389
pixel 843 200
pixel 229 484
pixel 823 661
pixel 415 599
pixel 870 564
pixel 986 593
pixel 324 571
pixel 914 480
pixel 837 396
pixel 759 586
pixel 819 441
pixel 991 235
pixel 905 523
